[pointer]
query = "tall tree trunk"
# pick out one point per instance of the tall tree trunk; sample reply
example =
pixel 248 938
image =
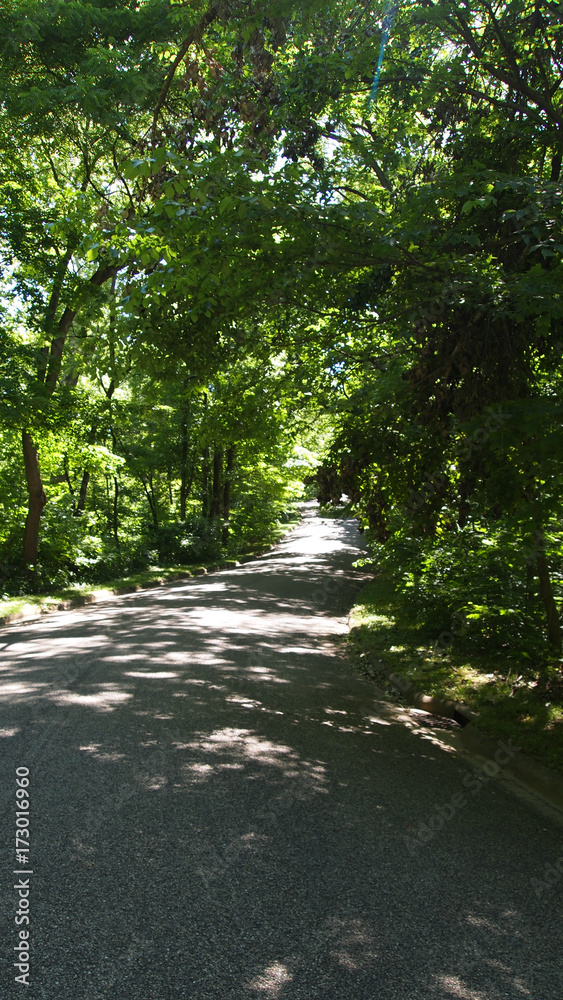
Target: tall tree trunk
pixel 529 584
pixel 109 501
pixel 151 500
pixel 184 488
pixel 546 591
pixel 63 328
pixel 50 368
pixel 81 502
pixel 170 491
pixel 85 479
pixel 68 481
pixel 216 488
pixel 205 483
pixel 227 493
pixel 115 510
pixel 37 500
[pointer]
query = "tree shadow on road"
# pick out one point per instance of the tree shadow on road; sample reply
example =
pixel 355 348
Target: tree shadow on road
pixel 223 811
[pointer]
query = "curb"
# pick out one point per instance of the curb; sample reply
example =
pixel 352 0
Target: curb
pixel 81 600
pixel 445 707
pixel 431 703
pixel 534 777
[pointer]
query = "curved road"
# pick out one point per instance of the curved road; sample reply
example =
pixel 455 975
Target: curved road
pixel 222 810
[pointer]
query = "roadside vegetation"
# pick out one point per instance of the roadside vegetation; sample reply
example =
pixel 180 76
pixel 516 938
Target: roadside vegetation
pixel 245 247
pixel 493 662
pixel 79 594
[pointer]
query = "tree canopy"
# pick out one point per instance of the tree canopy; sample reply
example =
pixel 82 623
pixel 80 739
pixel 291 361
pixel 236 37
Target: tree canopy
pixel 218 231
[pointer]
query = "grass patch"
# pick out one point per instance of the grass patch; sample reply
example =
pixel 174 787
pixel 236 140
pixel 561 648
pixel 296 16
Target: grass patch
pixel 43 603
pixel 78 594
pixel 515 697
pixel 37 604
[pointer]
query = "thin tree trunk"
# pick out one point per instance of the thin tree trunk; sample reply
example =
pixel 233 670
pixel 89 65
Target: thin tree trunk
pixel 529 585
pixel 227 493
pixel 53 305
pixel 115 510
pixel 170 492
pixel 151 501
pixel 69 482
pixel 109 508
pixel 546 591
pixel 184 469
pixel 37 500
pixel 205 483
pixel 81 502
pixel 186 485
pixel 63 327
pixel 85 481
pixel 216 488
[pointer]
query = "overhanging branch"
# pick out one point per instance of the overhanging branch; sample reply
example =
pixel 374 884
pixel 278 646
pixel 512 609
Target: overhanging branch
pixel 194 36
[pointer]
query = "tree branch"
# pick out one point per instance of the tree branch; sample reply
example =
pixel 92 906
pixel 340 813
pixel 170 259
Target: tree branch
pixel 57 345
pixel 194 36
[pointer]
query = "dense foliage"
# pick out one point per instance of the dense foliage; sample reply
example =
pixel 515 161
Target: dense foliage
pixel 213 238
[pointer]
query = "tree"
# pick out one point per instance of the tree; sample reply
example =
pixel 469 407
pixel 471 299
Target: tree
pixel 461 283
pixel 247 203
pixel 88 87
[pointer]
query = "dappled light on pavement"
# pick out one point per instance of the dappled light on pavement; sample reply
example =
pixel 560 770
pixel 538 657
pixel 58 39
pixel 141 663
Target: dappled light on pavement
pixel 227 809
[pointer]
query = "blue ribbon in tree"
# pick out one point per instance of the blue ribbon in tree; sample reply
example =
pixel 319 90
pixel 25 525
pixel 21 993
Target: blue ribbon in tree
pixel 390 12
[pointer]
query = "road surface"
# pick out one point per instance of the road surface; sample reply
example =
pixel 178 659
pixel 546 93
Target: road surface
pixel 220 809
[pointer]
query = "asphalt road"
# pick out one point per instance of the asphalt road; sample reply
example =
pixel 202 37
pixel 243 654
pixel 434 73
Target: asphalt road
pixel 220 809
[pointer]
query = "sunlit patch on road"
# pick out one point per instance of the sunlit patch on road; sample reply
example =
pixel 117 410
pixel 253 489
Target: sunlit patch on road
pixel 271 980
